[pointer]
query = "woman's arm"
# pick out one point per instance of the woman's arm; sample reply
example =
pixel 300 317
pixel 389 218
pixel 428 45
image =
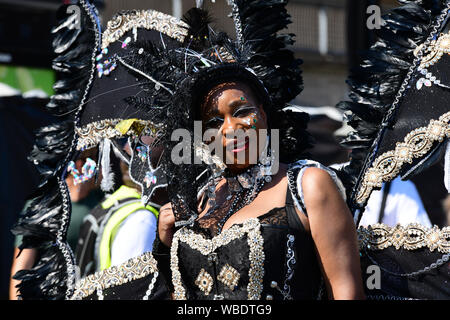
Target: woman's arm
pixel 166 224
pixel 24 261
pixel 334 234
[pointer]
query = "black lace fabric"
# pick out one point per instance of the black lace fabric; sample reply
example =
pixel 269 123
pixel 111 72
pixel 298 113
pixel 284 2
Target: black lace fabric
pixel 209 222
pixel 275 217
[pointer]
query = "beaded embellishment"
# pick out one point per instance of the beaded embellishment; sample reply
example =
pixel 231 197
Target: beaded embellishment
pixel 133 269
pixel 411 237
pixel 148 19
pixel 204 281
pixel 415 145
pixel 250 227
pixel 91 134
pixel 229 276
pixel 436 49
pixel 290 263
pixel 87 172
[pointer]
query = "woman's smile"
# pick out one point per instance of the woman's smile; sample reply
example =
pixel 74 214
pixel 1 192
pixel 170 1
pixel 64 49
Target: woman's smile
pixel 235 146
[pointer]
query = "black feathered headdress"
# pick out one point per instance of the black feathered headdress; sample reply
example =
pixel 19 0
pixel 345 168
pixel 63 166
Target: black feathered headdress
pixel 259 56
pixel 169 70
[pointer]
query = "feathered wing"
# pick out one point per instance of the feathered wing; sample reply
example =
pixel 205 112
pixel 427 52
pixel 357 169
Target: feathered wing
pixel 400 114
pixel 378 87
pixel 45 222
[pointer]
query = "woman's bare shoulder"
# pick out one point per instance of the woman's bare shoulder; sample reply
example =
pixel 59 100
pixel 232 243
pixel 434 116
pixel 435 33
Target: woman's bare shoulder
pixel 318 185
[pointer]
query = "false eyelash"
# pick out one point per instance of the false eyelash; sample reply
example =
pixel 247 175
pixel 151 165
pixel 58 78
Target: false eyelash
pixel 244 110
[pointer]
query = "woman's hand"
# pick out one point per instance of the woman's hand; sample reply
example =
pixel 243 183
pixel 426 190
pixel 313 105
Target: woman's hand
pixel 334 234
pixel 166 224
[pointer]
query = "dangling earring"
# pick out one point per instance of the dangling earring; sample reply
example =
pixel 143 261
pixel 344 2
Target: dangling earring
pixel 211 192
pixel 267 158
pixel 87 172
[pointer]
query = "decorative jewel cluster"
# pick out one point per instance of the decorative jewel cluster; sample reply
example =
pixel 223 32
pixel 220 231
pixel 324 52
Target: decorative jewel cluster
pixel 229 276
pixel 150 178
pixel 204 281
pixel 206 247
pixel 142 152
pixel 107 66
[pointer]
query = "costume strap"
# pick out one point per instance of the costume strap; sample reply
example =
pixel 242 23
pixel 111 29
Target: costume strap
pixel 295 176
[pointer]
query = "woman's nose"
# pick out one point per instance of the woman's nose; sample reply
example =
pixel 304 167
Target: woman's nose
pixel 231 124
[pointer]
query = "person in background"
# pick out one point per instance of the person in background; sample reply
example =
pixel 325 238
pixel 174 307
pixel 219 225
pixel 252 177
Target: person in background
pixel 120 227
pixel 84 197
pixel 398 202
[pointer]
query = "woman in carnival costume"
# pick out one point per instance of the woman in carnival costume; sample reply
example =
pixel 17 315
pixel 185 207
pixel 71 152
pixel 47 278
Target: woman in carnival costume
pixel 253 230
pixel 247 230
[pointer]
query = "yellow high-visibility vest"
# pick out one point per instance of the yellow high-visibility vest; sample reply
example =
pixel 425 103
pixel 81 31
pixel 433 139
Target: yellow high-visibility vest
pixel 113 223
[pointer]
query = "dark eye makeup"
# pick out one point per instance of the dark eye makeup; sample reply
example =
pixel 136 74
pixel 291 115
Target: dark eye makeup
pixel 241 111
pixel 214 123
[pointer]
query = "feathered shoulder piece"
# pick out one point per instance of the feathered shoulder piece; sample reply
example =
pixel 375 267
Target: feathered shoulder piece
pixel 44 224
pixel 396 94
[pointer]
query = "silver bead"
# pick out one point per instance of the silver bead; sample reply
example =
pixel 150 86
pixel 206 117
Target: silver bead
pixel 269 297
pixel 273 284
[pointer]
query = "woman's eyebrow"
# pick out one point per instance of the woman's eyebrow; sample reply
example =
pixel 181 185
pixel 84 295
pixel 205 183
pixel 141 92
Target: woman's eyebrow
pixel 237 102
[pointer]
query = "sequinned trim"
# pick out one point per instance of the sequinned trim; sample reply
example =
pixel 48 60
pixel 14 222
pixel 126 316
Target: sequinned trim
pixel 415 145
pixel 133 269
pixel 295 176
pixel 91 134
pixel 207 246
pixel 411 237
pixel 148 19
